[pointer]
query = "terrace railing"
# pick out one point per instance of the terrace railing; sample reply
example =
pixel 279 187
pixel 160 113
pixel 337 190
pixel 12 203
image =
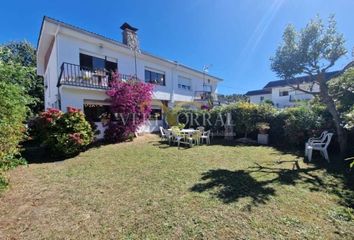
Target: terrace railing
pixel 204 96
pixel 76 75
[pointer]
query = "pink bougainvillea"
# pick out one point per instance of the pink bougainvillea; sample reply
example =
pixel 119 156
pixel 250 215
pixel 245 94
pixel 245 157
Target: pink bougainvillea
pixel 130 107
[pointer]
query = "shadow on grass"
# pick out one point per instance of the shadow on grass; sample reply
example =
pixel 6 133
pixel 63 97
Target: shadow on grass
pixel 34 153
pixel 229 186
pixel 233 185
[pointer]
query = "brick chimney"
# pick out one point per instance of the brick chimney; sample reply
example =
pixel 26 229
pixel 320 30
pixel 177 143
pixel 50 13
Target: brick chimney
pixel 130 38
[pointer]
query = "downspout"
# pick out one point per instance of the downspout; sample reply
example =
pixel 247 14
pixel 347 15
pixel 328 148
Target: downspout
pixel 57 53
pixel 173 82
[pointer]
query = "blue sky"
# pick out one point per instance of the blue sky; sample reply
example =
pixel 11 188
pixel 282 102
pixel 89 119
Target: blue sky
pixel 236 36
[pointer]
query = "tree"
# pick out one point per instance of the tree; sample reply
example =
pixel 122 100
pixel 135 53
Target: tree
pixel 232 98
pixel 13 112
pixel 21 52
pixel 21 56
pixel 312 51
pixel 130 107
pixel 342 90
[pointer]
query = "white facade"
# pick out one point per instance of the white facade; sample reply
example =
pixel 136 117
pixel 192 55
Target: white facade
pixel 283 100
pixel 62 43
pixel 257 99
pixel 283 96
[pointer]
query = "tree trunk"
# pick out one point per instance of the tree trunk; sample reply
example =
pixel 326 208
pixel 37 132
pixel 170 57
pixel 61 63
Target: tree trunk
pixel 327 99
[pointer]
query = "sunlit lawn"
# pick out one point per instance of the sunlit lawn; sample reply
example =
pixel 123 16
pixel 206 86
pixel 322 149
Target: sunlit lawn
pixel 145 189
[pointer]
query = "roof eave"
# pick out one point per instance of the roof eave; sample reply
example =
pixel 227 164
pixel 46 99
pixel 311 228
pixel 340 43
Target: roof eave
pixel 112 41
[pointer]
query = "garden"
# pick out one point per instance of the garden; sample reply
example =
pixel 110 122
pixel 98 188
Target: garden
pixel 57 180
pixel 147 189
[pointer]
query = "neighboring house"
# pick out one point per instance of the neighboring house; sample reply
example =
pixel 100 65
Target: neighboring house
pixel 283 95
pixel 77 64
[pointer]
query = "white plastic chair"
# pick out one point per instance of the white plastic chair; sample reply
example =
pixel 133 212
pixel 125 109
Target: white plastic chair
pixel 177 136
pixel 201 129
pixel 320 139
pixel 162 132
pixel 320 146
pixel 194 138
pixel 206 136
pixel 165 134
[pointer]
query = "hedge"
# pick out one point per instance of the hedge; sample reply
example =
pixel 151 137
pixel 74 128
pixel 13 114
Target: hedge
pixel 13 112
pixel 291 126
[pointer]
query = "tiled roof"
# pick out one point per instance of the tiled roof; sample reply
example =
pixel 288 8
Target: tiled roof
pixel 258 92
pixel 298 80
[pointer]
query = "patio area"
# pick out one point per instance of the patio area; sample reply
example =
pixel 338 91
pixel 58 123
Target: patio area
pixel 147 189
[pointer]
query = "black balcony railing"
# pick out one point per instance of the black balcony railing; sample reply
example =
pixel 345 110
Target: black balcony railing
pixel 76 75
pixel 203 96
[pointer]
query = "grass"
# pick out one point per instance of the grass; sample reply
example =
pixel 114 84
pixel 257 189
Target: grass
pixel 145 189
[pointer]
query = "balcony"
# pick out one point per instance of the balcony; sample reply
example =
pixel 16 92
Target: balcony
pixel 300 97
pixel 203 96
pixel 76 75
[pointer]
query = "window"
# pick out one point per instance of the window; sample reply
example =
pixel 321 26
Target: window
pixel 283 93
pixel 93 112
pixel 95 63
pixel 207 87
pixel 184 83
pixel 154 77
pixel 156 114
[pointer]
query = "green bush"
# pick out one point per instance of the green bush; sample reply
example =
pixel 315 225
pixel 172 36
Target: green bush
pixel 64 134
pixel 13 112
pixel 288 127
pixel 244 117
pixel 293 126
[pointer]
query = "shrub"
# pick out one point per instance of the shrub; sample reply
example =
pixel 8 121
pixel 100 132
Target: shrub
pixel 190 118
pixel 13 112
pixel 244 116
pixel 349 119
pixel 293 126
pixel 64 134
pixel 131 105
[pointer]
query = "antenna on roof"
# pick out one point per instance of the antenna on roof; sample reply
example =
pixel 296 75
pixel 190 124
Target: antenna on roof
pixel 206 70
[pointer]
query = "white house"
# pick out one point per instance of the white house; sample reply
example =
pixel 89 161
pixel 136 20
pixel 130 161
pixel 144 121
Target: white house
pixel 283 95
pixel 77 64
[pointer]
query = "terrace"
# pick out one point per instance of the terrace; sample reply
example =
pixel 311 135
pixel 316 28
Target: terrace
pixel 76 75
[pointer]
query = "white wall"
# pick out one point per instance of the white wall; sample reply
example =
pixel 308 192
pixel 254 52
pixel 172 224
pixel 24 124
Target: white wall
pixel 74 96
pixel 51 79
pixel 69 51
pixel 66 49
pixel 284 101
pixel 257 98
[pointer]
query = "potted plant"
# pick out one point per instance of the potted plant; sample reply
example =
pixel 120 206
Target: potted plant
pixel 263 136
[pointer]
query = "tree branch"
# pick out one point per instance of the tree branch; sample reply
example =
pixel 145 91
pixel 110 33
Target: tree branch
pixel 329 66
pixel 300 89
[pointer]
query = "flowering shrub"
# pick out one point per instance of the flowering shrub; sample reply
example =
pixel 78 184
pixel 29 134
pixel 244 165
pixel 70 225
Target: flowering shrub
pixel 130 105
pixel 64 134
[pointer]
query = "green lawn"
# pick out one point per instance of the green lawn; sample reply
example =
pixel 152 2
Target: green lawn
pixel 145 189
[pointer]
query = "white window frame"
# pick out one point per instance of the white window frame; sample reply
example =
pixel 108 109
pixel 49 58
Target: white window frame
pixel 186 87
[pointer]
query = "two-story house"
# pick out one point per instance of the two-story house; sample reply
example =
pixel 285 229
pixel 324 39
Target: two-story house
pixel 283 94
pixel 77 64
